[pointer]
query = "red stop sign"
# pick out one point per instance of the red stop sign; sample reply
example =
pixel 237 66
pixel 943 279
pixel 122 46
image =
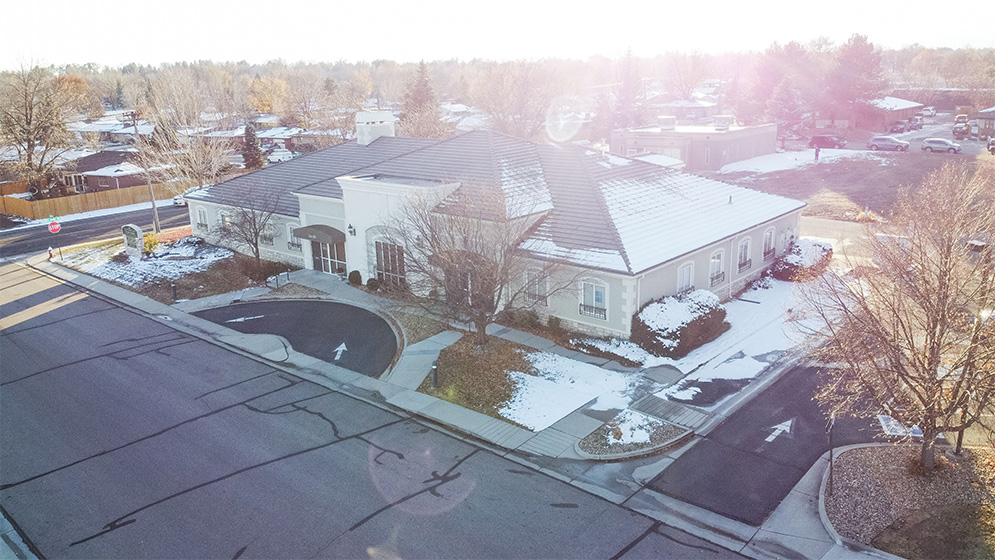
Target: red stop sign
pixel 54 227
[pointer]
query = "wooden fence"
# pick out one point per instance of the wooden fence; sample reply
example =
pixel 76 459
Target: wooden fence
pixel 74 204
pixel 13 187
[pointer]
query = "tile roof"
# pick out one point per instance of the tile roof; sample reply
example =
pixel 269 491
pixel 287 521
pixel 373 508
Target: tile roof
pixel 100 160
pixel 600 211
pixel 312 174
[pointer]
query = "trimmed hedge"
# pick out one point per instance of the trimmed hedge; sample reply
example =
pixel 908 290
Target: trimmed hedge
pixel 698 319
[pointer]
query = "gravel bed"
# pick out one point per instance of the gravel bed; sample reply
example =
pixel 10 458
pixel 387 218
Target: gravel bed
pixel 598 442
pixel 873 487
pixel 294 290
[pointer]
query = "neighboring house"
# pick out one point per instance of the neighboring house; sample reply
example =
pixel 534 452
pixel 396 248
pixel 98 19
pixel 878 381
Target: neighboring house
pixel 986 122
pixel 101 171
pixel 885 111
pixel 626 232
pixel 701 147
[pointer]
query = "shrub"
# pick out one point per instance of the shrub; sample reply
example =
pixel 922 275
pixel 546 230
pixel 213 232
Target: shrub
pixel 805 260
pixel 519 318
pixel 373 284
pixel 355 278
pixel 673 326
pixel 121 257
pixel 151 242
pixel 554 323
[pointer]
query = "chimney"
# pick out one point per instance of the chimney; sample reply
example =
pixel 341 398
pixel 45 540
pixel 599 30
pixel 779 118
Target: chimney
pixel 371 125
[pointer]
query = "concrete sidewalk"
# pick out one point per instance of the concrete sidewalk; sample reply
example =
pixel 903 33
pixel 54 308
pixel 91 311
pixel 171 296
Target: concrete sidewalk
pixel 794 530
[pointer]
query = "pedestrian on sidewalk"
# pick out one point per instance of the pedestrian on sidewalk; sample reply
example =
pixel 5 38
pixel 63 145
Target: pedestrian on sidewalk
pixel 816 153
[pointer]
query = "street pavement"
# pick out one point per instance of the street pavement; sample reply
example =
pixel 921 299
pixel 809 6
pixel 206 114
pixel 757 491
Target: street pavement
pixel 348 336
pixel 750 462
pixel 125 437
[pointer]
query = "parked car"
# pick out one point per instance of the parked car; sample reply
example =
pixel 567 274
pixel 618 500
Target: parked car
pixel 991 146
pixel 898 127
pixel 940 145
pixel 888 143
pixel 180 200
pixel 827 141
pixel 961 131
pixel 960 119
pixel 915 123
pixel 929 111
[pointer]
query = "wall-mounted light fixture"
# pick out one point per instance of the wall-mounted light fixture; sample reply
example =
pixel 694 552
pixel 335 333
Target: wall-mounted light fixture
pixel 352 230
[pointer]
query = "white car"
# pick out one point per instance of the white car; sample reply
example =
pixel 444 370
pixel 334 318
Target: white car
pixel 887 143
pixel 929 111
pixel 180 200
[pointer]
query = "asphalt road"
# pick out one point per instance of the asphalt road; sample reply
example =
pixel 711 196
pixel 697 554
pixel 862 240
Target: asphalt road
pixel 36 239
pixel 123 438
pixel 749 463
pixel 318 329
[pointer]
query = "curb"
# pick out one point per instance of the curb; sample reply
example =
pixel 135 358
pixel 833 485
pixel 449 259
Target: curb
pixel 678 441
pixel 824 517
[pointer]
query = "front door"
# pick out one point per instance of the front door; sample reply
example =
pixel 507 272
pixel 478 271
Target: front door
pixel 329 258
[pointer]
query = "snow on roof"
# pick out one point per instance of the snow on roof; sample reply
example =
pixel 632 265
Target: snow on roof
pixel 231 133
pixel 119 170
pixel 662 160
pixel 279 132
pixel 689 103
pixel 894 103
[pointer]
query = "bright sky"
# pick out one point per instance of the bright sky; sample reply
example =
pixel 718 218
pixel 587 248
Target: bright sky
pixel 115 32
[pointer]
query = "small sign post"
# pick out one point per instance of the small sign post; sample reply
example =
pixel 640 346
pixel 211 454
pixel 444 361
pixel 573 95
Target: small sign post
pixel 54 227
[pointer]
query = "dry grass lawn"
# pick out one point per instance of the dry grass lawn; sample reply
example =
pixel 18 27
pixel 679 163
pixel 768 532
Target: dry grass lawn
pixel 842 189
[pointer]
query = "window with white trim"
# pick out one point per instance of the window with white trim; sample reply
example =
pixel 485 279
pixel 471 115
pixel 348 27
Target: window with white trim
pixel 293 243
pixel 390 263
pixel 267 234
pixel 769 244
pixel 685 278
pixel 224 221
pixel 593 301
pixel 743 261
pixel 535 287
pixel 202 223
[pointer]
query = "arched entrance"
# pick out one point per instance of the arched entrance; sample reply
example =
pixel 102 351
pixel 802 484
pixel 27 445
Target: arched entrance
pixel 327 248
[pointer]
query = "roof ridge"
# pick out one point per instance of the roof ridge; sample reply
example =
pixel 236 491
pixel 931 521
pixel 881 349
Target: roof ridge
pixel 606 211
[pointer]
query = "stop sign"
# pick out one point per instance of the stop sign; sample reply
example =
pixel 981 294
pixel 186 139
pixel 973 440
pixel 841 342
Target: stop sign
pixel 54 227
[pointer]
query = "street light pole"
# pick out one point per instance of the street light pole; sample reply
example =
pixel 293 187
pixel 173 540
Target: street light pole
pixel 148 175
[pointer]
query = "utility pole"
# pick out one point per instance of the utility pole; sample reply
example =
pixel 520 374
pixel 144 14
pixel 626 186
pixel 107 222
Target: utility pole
pixel 148 175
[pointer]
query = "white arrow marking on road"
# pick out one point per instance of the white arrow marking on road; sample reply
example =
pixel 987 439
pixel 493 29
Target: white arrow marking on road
pixel 339 351
pixel 244 319
pixel 780 429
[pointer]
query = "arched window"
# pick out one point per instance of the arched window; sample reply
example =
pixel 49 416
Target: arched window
pixel 685 278
pixel 716 275
pixel 743 261
pixel 769 244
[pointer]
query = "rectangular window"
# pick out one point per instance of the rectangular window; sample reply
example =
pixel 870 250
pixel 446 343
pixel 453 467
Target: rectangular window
pixel 715 273
pixel 535 288
pixel 266 235
pixel 744 260
pixel 593 304
pixel 390 263
pixel 293 243
pixel 685 278
pixel 333 258
pixel 768 245
pixel 202 219
pixel 224 221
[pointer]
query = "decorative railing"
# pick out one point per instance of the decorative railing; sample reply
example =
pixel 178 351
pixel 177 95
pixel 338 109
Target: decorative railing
pixel 685 291
pixel 746 265
pixel 294 245
pixel 768 255
pixel 591 311
pixel 717 278
pixel 201 226
pixel 533 299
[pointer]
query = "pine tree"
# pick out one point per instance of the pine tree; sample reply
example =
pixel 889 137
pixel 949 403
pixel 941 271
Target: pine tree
pixel 785 106
pixel 252 156
pixel 857 79
pixel 421 116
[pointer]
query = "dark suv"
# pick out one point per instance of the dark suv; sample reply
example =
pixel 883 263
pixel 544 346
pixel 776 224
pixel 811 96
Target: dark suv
pixel 827 141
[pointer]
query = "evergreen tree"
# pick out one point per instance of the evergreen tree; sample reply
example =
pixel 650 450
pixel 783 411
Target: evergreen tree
pixel 629 99
pixel 118 102
pixel 252 156
pixel 785 106
pixel 857 79
pixel 421 116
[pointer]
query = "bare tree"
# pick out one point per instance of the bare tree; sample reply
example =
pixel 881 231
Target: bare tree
pixel 35 105
pixel 177 147
pixel 515 95
pixel 911 334
pixel 250 224
pixel 461 258
pixel 684 73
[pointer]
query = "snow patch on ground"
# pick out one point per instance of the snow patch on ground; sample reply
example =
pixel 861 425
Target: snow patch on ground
pixel 561 386
pixel 782 161
pixel 633 427
pixel 182 257
pixel 807 252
